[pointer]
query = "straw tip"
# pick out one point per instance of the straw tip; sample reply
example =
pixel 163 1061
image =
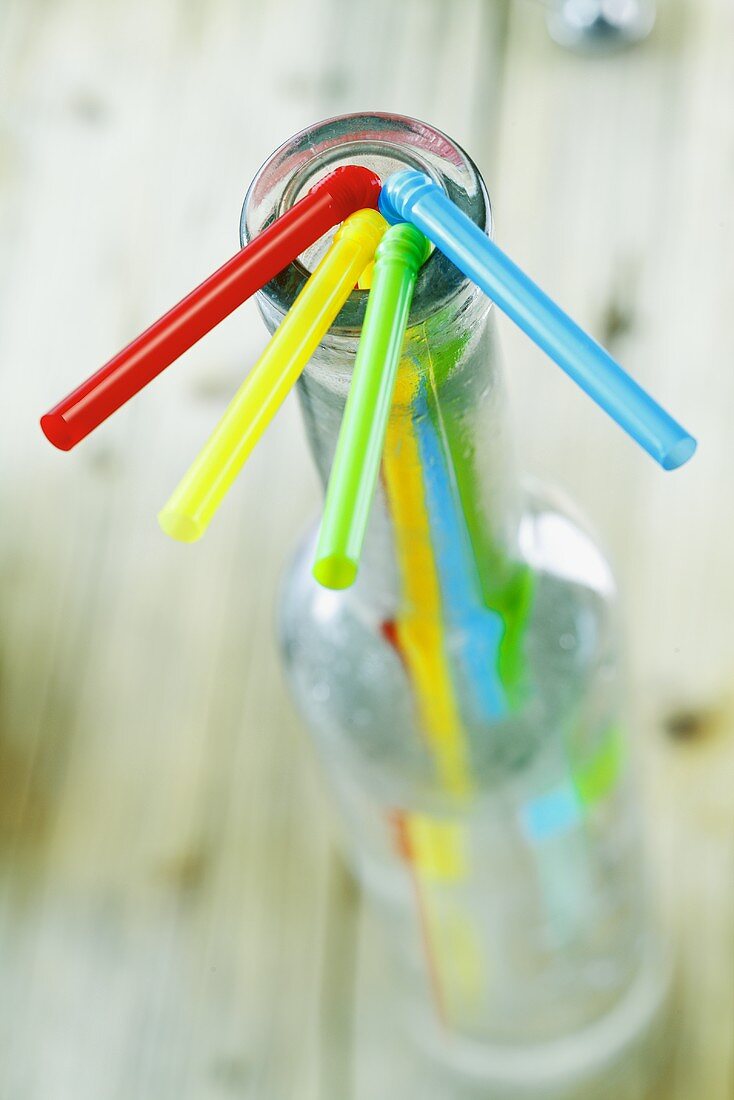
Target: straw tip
pixel 679 453
pixel 335 571
pixel 57 431
pixel 179 526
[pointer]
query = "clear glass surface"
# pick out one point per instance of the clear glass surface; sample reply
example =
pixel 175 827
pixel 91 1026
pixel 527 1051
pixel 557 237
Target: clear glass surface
pixel 465 694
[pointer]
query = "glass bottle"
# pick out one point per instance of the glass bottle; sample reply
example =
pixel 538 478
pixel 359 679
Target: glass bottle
pixel 464 694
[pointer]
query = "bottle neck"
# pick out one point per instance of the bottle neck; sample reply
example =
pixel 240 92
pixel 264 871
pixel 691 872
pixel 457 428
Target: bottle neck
pixel 444 522
pixel 443 527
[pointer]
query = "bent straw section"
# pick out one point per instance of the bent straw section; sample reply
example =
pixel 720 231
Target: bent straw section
pixel 332 199
pixel 436 850
pixel 412 196
pixel 190 509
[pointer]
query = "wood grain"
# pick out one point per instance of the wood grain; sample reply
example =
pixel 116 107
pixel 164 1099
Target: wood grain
pixel 173 918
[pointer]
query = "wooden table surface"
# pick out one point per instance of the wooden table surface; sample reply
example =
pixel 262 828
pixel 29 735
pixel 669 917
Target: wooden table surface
pixel 175 920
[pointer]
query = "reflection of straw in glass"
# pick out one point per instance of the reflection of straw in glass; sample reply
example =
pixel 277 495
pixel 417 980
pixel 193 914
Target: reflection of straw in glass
pixel 506 584
pixel 193 504
pixel 551 822
pixel 554 826
pixel 413 196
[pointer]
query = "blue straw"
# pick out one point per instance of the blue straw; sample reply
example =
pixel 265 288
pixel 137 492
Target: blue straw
pixel 477 629
pixel 413 197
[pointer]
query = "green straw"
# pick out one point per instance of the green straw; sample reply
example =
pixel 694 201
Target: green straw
pixel 356 464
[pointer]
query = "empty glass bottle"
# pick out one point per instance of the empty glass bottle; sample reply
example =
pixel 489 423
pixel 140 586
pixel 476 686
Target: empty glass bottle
pixel 464 695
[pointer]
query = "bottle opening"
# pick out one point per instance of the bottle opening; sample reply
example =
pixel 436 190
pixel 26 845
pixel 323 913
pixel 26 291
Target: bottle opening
pixel 384 143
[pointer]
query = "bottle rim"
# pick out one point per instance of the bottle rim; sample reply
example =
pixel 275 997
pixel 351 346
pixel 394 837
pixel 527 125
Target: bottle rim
pixel 385 143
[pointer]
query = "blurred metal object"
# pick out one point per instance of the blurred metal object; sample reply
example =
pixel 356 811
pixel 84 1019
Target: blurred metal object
pixel 600 25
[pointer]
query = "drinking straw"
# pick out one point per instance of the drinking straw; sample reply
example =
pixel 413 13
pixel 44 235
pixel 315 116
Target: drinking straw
pixel 192 505
pixel 401 822
pixel 412 196
pixel 332 199
pixel 553 825
pixel 506 586
pixel 435 851
pixel 356 464
pixel 365 280
pixel 597 775
pixel 478 629
pixel 550 821
pixel 438 854
pixel 420 633
pixel 563 865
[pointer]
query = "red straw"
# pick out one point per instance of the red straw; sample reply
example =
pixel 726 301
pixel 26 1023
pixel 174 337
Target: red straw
pixel 329 202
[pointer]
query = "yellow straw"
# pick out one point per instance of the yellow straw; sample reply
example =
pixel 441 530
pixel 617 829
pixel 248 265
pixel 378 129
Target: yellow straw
pixel 420 634
pixel 438 850
pixel 188 512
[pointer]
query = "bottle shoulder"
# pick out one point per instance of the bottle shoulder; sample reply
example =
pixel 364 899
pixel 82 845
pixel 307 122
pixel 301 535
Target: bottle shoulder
pixel 557 540
pixel 354 678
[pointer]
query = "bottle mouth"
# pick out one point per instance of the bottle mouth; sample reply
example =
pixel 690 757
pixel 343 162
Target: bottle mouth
pixel 385 143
